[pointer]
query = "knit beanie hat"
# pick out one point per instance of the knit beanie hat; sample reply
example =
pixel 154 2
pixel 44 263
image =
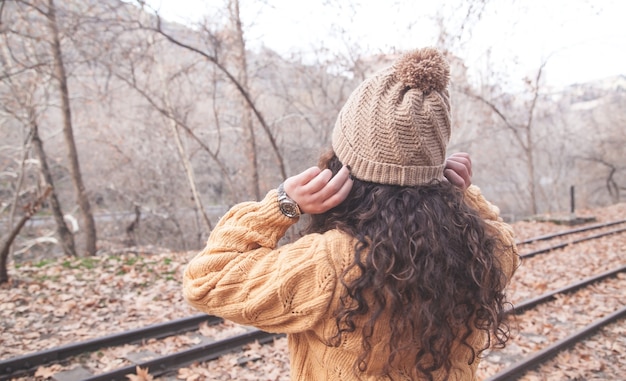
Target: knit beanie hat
pixel 395 126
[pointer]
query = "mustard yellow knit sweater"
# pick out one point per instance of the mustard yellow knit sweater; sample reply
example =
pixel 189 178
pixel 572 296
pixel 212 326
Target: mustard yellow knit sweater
pixel 244 277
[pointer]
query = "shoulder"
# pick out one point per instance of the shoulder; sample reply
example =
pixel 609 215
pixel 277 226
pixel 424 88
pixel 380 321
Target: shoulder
pixel 333 247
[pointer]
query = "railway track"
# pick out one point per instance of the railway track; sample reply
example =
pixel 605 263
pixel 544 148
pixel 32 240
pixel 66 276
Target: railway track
pixel 208 349
pixel 25 364
pixel 574 291
pixel 581 299
pixel 577 235
pixel 536 359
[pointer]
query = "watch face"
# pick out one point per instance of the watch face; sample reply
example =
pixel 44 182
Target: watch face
pixel 289 209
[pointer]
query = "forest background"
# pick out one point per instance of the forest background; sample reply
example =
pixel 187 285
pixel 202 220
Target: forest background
pixel 120 128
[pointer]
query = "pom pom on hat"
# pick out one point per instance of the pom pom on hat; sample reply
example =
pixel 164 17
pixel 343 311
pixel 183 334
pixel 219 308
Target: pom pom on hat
pixel 425 69
pixel 395 126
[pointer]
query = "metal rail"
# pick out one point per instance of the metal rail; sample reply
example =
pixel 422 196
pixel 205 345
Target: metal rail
pixel 517 370
pixel 211 351
pixel 214 350
pixel 25 364
pixel 564 244
pixel 531 362
pixel 572 231
pixel 530 303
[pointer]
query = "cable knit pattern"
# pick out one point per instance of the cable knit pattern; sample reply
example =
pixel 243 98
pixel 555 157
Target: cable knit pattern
pixel 395 126
pixel 243 276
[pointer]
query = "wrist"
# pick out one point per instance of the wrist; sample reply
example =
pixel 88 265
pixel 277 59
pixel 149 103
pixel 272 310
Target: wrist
pixel 286 204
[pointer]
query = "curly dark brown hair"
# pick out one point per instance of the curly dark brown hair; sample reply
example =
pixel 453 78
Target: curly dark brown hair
pixel 426 258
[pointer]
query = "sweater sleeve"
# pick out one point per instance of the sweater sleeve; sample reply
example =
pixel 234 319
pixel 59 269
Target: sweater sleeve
pixel 509 258
pixel 242 276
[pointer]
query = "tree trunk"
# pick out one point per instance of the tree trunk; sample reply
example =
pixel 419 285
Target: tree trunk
pixel 191 179
pixel 530 144
pixel 243 91
pixel 530 163
pixel 81 193
pixel 8 241
pixel 246 116
pixel 66 238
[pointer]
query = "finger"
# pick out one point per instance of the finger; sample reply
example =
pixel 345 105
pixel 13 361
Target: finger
pixel 318 182
pixel 467 161
pixel 307 175
pixel 456 165
pixel 339 196
pixel 461 160
pixel 460 165
pixel 461 154
pixel 339 179
pixel 457 173
pixel 333 193
pixel 293 183
pixel 454 178
pixel 464 158
pixel 336 186
pixel 333 185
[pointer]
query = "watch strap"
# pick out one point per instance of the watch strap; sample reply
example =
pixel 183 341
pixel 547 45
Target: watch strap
pixel 286 204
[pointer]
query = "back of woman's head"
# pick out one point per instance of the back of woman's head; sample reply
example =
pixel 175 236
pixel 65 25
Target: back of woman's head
pixel 421 254
pixel 425 258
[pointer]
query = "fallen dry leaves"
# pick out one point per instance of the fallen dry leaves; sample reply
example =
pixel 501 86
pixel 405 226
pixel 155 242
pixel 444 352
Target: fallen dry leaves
pixel 52 302
pixel 141 375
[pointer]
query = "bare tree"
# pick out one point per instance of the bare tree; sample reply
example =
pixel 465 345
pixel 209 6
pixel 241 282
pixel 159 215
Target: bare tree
pixel 193 119
pixel 232 78
pixel 6 242
pixel 521 130
pixel 25 86
pixel 156 81
pixel 241 69
pixel 66 237
pixel 68 131
pixel 189 171
pixel 597 148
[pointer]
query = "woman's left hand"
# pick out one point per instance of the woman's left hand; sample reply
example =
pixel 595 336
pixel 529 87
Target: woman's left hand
pixel 317 191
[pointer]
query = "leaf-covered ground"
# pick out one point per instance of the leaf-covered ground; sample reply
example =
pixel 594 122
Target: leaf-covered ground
pixel 52 302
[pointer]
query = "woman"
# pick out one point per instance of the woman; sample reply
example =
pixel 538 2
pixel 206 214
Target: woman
pixel 401 274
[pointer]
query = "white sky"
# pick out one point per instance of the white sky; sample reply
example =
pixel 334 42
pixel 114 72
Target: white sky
pixel 582 40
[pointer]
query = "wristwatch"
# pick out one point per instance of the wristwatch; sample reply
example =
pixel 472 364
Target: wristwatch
pixel 287 206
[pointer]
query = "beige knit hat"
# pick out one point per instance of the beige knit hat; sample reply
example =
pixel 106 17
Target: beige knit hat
pixel 395 126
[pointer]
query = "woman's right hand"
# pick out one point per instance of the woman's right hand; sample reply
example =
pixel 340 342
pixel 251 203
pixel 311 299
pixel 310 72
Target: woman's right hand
pixel 458 170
